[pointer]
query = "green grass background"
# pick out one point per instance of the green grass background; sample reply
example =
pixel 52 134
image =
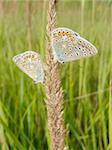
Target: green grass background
pixel 87 99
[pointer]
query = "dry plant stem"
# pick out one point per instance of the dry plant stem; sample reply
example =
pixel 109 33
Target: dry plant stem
pixel 15 7
pixel 1 8
pixel 54 93
pixel 29 24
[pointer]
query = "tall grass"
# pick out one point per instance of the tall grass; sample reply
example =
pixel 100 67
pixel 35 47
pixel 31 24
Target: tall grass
pixel 22 113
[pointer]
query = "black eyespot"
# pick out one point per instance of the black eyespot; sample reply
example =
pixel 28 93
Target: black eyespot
pixel 63 62
pixel 63 32
pixel 79 47
pixel 67 32
pixel 77 54
pixel 65 53
pixel 59 31
pixel 76 34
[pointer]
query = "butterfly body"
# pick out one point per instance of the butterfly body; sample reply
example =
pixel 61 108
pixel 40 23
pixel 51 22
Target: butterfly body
pixel 67 45
pixel 30 63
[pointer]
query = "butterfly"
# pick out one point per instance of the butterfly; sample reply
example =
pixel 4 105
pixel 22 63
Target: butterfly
pixel 30 63
pixel 67 45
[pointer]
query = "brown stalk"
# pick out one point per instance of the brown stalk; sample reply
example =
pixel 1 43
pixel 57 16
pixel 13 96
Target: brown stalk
pixel 54 92
pixel 29 24
pixel 1 8
pixel 14 7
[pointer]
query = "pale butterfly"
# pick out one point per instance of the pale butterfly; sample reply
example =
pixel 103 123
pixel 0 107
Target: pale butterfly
pixel 67 45
pixel 30 63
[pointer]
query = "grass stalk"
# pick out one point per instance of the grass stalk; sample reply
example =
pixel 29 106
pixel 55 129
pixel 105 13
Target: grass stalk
pixel 54 93
pixel 81 61
pixel 110 116
pixel 93 11
pixel 1 8
pixel 29 24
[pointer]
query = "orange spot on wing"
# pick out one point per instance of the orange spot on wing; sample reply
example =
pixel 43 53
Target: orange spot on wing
pixel 63 33
pixel 59 33
pixel 69 34
pixel 66 33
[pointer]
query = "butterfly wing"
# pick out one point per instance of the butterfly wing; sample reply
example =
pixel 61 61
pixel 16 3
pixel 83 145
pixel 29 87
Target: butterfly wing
pixel 62 41
pixel 29 62
pixel 67 45
pixel 82 49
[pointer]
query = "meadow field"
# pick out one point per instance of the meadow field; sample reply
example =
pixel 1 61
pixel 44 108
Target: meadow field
pixel 86 82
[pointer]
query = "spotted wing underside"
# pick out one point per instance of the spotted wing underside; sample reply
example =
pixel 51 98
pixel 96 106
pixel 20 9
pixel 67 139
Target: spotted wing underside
pixel 67 45
pixel 29 62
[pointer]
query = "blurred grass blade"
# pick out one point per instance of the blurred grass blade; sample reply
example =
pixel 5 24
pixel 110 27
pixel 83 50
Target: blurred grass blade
pixel 110 116
pixel 11 137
